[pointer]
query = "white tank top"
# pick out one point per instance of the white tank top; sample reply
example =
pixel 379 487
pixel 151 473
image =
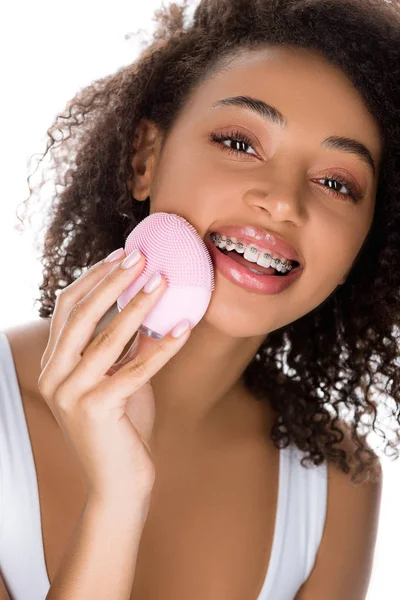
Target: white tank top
pixel 299 523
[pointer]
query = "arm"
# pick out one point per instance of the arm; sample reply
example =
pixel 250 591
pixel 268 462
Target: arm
pixel 101 558
pixel 344 560
pixel 3 591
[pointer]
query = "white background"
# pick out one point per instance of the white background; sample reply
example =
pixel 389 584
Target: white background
pixel 48 51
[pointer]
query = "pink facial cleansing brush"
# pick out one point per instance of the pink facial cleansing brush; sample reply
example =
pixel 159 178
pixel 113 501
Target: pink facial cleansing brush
pixel 172 246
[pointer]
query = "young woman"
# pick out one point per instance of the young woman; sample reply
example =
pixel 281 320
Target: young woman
pixel 229 463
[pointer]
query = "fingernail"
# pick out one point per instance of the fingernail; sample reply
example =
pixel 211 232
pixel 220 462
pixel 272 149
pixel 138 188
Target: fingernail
pixel 131 259
pixel 180 329
pixel 152 283
pixel 114 255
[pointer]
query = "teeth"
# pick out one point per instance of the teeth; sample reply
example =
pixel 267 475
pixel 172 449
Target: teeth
pixel 230 244
pixel 250 253
pixel 240 247
pixel 220 242
pixel 275 264
pixel 264 260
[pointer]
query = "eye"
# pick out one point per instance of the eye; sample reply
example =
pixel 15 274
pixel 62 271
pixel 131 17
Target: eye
pixel 241 140
pixel 353 193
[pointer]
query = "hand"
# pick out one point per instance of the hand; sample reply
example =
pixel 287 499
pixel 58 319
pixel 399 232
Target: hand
pixel 106 419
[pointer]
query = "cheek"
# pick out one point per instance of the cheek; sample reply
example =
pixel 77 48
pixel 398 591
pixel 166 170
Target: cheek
pixel 330 252
pixel 188 182
pixel 333 241
pixel 180 175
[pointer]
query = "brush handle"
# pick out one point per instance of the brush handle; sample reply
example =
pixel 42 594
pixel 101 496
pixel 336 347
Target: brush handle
pixel 175 304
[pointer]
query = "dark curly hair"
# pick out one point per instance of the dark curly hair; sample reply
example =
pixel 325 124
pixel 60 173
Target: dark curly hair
pixel 326 368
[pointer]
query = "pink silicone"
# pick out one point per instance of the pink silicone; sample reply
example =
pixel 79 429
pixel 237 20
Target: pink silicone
pixel 172 246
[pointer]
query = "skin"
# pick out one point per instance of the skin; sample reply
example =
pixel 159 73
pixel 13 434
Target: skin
pixel 199 394
pixel 274 187
pixel 270 185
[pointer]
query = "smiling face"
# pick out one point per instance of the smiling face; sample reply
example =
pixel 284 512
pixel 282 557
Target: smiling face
pixel 284 178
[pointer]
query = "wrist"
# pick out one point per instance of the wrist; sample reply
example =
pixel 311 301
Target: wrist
pixel 116 508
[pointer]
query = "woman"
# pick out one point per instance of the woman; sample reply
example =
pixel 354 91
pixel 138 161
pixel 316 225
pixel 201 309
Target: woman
pixel 230 462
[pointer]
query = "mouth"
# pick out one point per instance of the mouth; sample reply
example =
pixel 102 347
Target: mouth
pixel 254 267
pixel 229 265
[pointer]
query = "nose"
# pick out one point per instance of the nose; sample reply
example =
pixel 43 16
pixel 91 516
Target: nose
pixel 283 202
pixel 278 190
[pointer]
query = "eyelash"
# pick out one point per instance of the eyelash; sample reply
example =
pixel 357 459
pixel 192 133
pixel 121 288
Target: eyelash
pixel 239 136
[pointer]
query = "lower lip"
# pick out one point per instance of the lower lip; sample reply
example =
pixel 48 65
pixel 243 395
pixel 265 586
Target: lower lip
pixel 238 274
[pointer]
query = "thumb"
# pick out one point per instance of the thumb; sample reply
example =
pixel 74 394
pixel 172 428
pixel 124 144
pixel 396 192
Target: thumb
pixel 141 411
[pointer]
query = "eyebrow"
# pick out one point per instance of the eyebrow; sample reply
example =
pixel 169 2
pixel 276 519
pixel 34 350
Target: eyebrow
pixel 272 115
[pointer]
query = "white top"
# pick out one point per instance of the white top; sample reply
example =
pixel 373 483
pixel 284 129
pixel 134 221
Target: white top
pixel 300 517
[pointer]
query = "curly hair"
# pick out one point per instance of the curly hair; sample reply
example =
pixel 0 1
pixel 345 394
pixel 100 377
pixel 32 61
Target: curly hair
pixel 325 368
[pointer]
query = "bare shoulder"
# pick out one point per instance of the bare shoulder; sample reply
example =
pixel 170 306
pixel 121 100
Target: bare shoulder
pixel 28 342
pixel 345 556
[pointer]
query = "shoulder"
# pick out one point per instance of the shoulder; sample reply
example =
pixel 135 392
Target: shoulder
pixel 28 342
pixel 344 561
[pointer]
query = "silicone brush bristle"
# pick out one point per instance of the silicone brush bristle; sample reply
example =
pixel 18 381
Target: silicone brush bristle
pixel 163 230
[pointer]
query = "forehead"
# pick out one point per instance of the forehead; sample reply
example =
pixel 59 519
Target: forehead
pixel 315 96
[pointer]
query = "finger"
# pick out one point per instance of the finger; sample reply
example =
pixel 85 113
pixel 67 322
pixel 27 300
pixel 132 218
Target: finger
pixel 140 345
pixel 107 346
pixel 131 352
pixel 70 296
pixel 136 373
pixel 141 411
pixel 81 321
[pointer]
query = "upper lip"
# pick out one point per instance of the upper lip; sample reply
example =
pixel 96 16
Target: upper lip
pixel 262 238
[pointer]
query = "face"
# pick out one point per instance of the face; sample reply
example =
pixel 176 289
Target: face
pixel 283 180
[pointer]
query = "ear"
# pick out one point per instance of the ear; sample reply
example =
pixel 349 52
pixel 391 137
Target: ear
pixel 147 146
